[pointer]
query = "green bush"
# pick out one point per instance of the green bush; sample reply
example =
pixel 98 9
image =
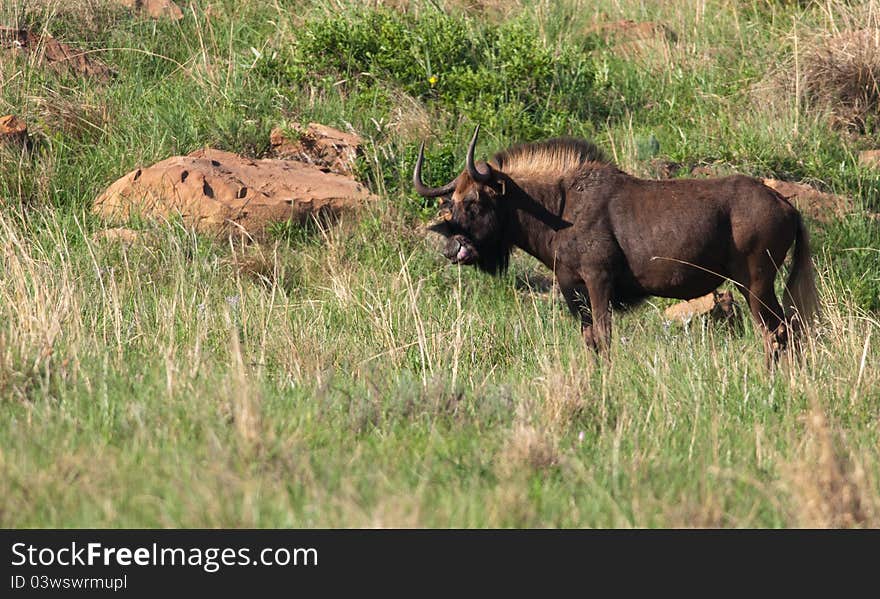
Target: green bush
pixel 502 76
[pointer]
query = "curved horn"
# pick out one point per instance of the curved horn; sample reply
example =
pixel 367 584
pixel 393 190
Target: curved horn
pixel 422 189
pixel 476 174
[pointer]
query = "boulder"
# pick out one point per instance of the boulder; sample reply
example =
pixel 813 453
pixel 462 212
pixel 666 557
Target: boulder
pixel 317 144
pixel 156 9
pixel 870 158
pixel 13 131
pixel 49 52
pixel 223 193
pixel 816 204
pixel 718 305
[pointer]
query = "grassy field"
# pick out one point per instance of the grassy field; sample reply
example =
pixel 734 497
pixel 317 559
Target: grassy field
pixel 345 375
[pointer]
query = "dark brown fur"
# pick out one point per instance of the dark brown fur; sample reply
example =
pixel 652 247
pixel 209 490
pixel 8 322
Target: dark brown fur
pixel 613 239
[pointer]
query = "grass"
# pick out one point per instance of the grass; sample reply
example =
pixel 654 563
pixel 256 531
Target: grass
pixel 344 375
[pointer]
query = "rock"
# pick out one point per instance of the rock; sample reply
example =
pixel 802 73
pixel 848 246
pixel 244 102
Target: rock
pixel 13 131
pixel 317 144
pixel 720 307
pixel 869 158
pixel 156 9
pixel 222 193
pixel 816 204
pixel 50 52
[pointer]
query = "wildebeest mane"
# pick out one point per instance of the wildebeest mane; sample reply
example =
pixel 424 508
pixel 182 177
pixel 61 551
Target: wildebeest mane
pixel 557 156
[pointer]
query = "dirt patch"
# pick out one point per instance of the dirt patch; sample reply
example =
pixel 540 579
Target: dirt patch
pixel 46 51
pixel 222 193
pixel 328 148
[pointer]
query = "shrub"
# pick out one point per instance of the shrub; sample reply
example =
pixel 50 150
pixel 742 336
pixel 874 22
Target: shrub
pixel 503 76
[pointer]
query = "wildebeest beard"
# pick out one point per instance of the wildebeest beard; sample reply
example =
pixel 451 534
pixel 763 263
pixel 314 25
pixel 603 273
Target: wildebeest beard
pixel 494 258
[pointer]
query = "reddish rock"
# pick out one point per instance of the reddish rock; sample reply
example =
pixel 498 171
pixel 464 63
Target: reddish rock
pixel 719 306
pixel 223 193
pixel 870 158
pixel 816 204
pixel 317 144
pixel 50 52
pixel 13 131
pixel 157 9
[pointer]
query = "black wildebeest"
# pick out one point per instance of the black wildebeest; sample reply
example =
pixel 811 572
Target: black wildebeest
pixel 613 239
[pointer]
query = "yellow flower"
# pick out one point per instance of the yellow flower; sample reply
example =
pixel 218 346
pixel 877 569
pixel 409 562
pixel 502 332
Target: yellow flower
pixel 432 80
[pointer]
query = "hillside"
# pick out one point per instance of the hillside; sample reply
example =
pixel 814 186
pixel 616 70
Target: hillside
pixel 340 373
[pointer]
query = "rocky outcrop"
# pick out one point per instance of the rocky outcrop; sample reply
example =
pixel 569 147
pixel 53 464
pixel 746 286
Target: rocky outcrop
pixel 156 9
pixel 13 131
pixel 816 204
pixel 317 144
pixel 718 306
pixel 226 194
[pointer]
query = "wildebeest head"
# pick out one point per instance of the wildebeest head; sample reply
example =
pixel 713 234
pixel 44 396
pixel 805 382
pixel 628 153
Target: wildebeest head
pixel 473 213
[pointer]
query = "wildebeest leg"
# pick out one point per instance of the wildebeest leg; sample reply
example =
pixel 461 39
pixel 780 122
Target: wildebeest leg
pixel 599 289
pixel 767 312
pixel 577 300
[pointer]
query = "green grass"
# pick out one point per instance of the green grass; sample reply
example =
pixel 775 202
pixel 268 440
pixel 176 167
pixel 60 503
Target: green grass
pixel 344 375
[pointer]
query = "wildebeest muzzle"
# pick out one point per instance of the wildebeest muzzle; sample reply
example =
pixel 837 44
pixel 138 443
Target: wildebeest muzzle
pixel 459 250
